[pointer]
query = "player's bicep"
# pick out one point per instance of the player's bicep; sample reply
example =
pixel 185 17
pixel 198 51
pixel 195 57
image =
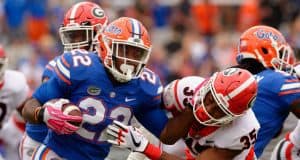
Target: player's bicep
pixel 217 153
pixel 153 120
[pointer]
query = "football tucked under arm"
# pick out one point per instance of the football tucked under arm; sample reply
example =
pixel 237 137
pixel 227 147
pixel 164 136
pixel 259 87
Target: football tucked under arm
pixel 61 116
pixel 72 110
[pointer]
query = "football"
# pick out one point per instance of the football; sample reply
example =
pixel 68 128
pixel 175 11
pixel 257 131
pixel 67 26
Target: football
pixel 73 110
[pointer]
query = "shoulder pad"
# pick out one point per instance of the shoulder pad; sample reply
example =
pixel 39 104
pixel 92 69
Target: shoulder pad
pixel 74 65
pixel 49 69
pixel 150 83
pixel 266 78
pixel 179 92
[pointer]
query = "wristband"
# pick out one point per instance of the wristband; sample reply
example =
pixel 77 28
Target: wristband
pixel 39 114
pixel 152 152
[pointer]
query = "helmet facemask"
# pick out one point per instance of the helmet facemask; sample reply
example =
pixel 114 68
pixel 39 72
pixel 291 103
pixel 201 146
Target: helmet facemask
pixel 284 57
pixel 120 61
pixel 80 36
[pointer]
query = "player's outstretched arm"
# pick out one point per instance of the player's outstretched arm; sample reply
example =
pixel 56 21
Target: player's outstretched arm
pixel 131 138
pixel 177 127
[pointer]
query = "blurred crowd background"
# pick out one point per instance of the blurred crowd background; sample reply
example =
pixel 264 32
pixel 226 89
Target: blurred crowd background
pixel 190 37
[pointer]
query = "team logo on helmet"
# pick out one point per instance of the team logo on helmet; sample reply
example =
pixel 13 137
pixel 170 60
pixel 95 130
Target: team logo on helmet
pixel 97 12
pixel 113 29
pixel 262 34
pixel 230 71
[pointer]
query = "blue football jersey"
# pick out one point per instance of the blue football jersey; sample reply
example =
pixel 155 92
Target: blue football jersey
pixel 82 78
pixel 276 92
pixel 38 132
pixel 49 69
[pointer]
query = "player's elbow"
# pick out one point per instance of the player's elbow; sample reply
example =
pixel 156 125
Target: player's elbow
pixel 29 108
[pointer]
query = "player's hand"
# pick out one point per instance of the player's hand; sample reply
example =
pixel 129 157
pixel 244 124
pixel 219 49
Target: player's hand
pixel 56 120
pixel 127 137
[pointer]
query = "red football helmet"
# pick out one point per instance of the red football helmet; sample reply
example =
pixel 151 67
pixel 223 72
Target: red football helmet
pixel 82 23
pixel 125 48
pixel 267 45
pixel 232 91
pixel 3 62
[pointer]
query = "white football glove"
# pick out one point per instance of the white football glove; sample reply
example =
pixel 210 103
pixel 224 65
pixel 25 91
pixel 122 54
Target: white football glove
pixel 127 137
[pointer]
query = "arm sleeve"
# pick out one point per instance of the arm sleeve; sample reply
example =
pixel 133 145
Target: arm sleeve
pixel 151 116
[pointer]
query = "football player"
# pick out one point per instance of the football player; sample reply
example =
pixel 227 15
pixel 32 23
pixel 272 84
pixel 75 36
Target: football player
pixel 223 126
pixel 13 92
pixel 113 85
pixel 264 52
pixel 82 23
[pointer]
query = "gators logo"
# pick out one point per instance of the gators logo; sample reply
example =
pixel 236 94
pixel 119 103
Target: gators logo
pixel 94 91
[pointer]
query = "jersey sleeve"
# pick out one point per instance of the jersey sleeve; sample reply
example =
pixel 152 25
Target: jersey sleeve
pixel 60 82
pixel 154 120
pixel 150 115
pixel 70 69
pixel 289 90
pixel 74 66
pixel 49 69
pixel 62 70
pixel 152 88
